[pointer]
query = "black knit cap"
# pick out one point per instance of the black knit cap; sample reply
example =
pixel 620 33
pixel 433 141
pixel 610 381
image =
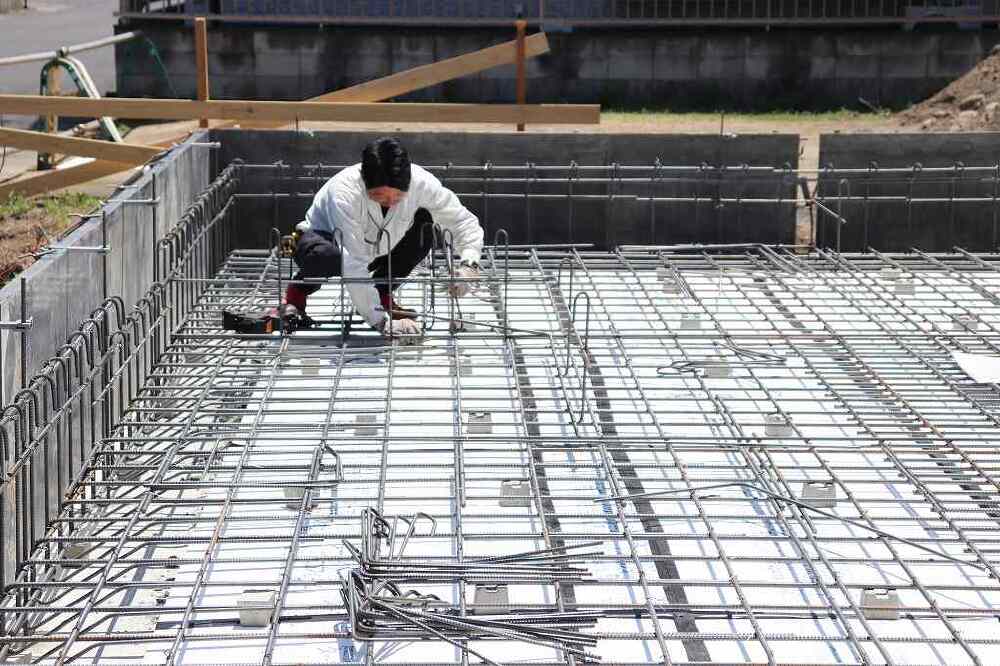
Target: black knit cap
pixel 384 162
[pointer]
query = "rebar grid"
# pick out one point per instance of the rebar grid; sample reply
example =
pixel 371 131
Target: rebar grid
pixel 709 393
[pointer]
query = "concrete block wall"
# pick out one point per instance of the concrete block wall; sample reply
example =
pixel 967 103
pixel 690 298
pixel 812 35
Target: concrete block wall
pixel 900 225
pixel 621 213
pixel 743 69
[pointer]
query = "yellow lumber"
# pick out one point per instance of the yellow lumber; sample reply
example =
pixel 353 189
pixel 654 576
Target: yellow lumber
pixel 425 76
pixel 64 145
pixel 371 91
pixel 521 86
pixel 52 87
pixel 53 180
pixel 174 109
pixel 438 72
pixel 201 61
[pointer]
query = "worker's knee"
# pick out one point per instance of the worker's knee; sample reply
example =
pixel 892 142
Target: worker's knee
pixel 423 218
pixel 317 255
pixel 423 224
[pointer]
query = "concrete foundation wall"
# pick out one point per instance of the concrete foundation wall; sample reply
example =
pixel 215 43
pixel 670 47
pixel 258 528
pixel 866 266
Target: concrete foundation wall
pixel 634 208
pixel 62 288
pixel 61 291
pixel 677 69
pixel 905 222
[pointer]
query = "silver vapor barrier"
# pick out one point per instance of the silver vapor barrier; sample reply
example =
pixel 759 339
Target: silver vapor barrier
pixel 656 454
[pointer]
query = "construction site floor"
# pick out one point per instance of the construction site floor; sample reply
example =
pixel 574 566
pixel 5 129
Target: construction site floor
pixel 803 472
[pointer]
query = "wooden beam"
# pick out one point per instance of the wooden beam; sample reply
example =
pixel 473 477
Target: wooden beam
pixel 521 85
pixel 47 181
pixel 53 86
pixel 51 143
pixel 438 72
pixel 370 92
pixel 174 109
pixel 201 62
pixel 420 77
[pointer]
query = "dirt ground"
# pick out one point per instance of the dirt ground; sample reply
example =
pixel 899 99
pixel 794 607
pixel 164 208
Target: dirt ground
pixel 808 126
pixel 970 103
pixel 27 225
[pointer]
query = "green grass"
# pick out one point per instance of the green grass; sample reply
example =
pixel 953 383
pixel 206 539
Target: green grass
pixel 15 206
pixel 644 115
pixel 27 222
pixel 57 207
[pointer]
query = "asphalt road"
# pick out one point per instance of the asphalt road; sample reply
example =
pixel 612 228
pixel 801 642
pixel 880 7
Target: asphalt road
pixel 47 25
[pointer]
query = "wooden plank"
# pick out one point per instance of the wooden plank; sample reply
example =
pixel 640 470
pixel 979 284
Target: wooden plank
pixel 53 86
pixel 52 143
pixel 438 72
pixel 421 77
pixel 425 76
pixel 521 85
pixel 201 62
pixel 371 91
pixel 48 181
pixel 174 109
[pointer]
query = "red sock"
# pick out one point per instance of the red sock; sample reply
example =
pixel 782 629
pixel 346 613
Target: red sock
pixel 296 296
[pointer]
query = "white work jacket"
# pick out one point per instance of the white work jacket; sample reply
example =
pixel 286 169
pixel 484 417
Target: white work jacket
pixel 343 203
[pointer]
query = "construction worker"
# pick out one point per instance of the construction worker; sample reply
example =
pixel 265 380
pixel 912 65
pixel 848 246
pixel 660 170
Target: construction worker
pixel 387 201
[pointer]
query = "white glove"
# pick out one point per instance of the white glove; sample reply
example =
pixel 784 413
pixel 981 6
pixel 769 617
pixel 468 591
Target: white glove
pixel 407 331
pixel 464 272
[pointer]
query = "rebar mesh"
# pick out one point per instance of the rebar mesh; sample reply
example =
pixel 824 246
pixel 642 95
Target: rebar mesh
pixel 802 472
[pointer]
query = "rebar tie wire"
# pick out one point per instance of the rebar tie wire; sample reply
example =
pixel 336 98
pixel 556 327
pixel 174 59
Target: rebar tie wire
pixel 803 505
pixel 753 359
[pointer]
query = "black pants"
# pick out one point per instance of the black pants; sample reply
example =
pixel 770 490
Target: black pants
pixel 318 256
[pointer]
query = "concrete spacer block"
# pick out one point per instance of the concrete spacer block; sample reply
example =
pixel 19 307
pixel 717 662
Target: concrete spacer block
pixel 366 427
pixel 77 550
pixel 965 322
pixel 690 322
pixel 294 495
pixel 880 604
pixel 496 596
pixel 820 494
pixel 905 287
pixel 479 423
pixel 777 425
pixel 515 492
pixel 718 370
pixel 255 607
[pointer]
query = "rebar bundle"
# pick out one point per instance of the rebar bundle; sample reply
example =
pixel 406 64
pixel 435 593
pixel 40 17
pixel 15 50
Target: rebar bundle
pixel 378 608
